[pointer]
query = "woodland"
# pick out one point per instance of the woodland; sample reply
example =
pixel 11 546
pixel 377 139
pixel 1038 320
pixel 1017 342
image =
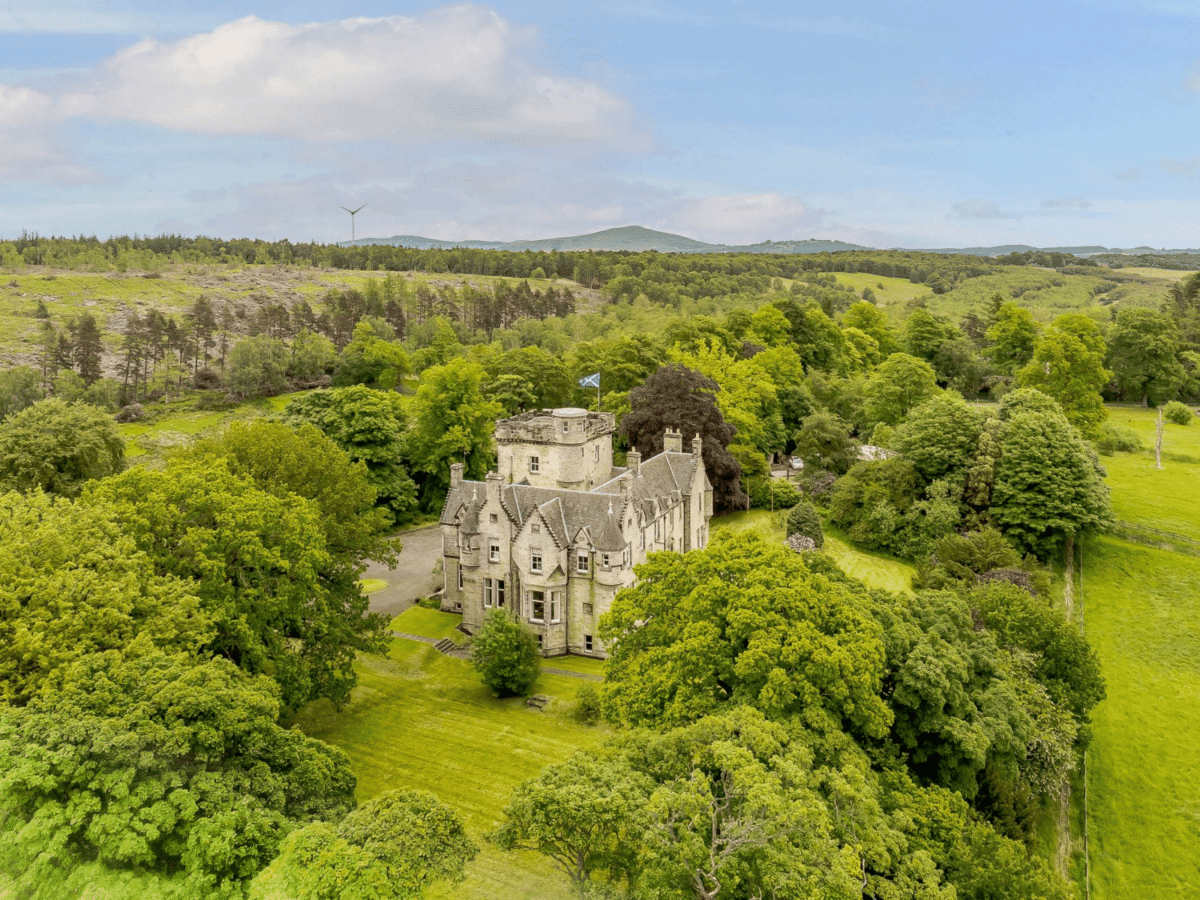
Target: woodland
pixel 182 623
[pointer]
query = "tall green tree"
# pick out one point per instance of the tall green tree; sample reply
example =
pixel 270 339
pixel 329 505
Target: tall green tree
pixel 505 655
pixel 1068 365
pixel 88 350
pixel 742 621
pixel 452 423
pixel 371 358
pixel 1049 485
pixel 940 436
pixel 20 387
pixel 260 565
pixel 900 383
pixel 369 426
pixel 587 814
pixel 75 584
pixel 1143 353
pixel 824 441
pixel 1012 337
pixel 56 447
pixel 870 319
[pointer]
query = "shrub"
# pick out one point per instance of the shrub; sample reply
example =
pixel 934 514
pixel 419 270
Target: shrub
pixel 805 521
pixel 1118 439
pixel 505 655
pixel 207 379
pixel 587 704
pixel 131 413
pixel 1178 413
pixel 817 485
pixel 771 493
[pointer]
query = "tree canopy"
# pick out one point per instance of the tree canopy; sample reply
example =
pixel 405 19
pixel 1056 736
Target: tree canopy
pixel 680 398
pixel 56 447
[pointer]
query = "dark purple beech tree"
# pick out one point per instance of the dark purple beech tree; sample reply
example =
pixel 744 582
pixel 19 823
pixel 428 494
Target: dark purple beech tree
pixel 681 398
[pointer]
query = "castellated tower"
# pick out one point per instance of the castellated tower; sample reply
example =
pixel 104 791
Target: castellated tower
pixel 566 448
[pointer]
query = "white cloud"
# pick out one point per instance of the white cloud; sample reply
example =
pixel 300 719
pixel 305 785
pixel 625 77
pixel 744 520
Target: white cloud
pixel 981 209
pixel 453 73
pixel 30 150
pixel 745 218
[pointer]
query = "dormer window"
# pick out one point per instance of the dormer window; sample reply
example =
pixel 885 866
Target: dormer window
pixel 533 464
pixel 581 563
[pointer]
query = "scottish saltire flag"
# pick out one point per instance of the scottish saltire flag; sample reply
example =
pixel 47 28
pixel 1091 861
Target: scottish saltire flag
pixel 590 381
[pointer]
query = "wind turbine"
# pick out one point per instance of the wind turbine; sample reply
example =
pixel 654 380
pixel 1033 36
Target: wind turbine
pixel 352 214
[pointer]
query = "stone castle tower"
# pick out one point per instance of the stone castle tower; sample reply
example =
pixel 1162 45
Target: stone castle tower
pixel 565 448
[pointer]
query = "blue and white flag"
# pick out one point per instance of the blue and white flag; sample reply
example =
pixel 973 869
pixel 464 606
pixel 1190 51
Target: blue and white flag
pixel 590 381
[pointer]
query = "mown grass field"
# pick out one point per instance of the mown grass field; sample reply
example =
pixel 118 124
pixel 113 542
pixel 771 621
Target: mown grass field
pixel 422 720
pixel 1142 613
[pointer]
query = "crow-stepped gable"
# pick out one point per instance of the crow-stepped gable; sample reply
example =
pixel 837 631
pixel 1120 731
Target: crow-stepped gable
pixel 556 531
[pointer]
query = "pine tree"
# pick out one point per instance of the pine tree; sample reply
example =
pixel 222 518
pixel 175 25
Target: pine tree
pixel 88 350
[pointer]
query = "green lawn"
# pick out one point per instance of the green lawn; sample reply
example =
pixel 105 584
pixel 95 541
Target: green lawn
pixel 1142 611
pixel 430 623
pixel 420 719
pixel 1168 499
pixel 371 585
pixel 872 569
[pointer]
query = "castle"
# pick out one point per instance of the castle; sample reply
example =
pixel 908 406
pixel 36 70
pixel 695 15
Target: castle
pixel 556 531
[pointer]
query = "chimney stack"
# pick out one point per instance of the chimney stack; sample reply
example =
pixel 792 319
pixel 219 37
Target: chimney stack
pixel 697 446
pixel 633 459
pixel 456 472
pixel 672 441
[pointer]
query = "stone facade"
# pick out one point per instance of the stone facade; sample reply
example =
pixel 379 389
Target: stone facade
pixel 556 531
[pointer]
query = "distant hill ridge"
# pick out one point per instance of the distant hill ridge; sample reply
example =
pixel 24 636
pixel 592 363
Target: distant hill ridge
pixel 639 239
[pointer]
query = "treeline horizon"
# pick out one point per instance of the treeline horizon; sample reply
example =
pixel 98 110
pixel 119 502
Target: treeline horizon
pixel 590 268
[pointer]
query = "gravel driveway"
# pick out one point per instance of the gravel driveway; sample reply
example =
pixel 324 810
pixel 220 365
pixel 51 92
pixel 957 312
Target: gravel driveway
pixel 413 576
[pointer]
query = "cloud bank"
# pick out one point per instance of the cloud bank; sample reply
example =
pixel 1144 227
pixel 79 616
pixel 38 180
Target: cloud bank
pixel 453 73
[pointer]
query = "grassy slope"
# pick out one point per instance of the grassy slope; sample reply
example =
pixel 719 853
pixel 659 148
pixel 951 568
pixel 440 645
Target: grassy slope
pixel 1142 609
pixel 67 295
pixel 420 719
pixel 1142 612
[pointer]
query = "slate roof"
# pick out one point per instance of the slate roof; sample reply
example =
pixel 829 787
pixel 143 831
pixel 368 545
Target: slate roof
pixel 661 482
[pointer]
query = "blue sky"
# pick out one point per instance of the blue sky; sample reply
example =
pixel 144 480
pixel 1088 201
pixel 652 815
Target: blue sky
pixel 891 124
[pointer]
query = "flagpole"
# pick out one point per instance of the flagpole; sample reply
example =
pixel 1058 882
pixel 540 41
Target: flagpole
pixel 597 395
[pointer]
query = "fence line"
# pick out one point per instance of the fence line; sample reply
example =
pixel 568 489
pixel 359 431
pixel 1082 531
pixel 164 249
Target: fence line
pixel 1157 537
